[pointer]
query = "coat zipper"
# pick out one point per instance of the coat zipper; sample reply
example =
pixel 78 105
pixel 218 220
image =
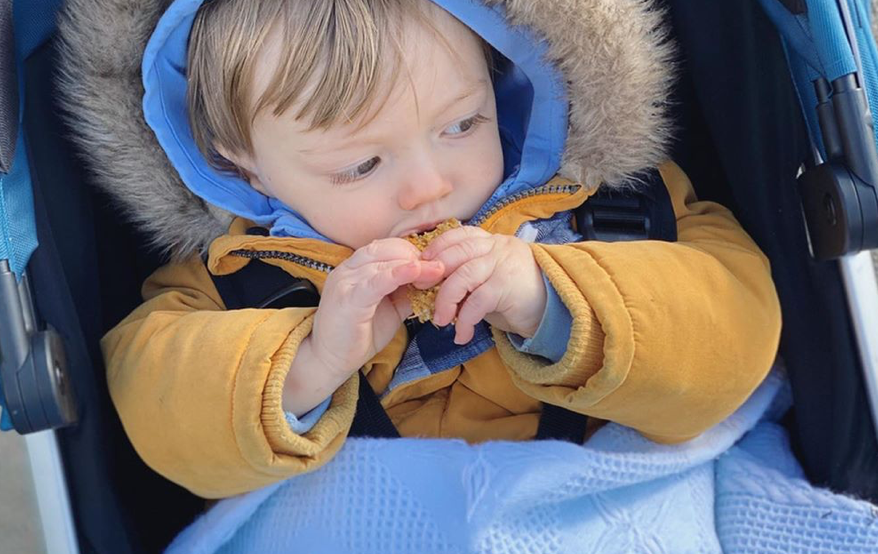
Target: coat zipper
pixel 489 211
pixel 477 220
pixel 288 256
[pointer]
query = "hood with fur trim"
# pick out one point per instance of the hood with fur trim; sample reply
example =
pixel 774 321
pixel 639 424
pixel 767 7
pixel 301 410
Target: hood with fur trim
pixel 610 58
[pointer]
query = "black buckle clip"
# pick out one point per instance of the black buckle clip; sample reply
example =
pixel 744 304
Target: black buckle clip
pixel 612 216
pixel 299 294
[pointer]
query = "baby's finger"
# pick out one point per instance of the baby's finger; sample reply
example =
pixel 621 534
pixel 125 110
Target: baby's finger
pixel 390 277
pixel 432 273
pixel 366 292
pixel 466 279
pixel 383 250
pixel 453 236
pixel 463 333
pixel 458 253
pixel 481 302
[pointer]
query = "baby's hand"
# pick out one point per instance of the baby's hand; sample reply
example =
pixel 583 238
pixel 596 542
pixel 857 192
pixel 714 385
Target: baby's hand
pixel 491 277
pixel 362 304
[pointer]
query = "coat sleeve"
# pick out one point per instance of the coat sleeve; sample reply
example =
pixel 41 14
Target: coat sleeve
pixel 667 338
pixel 198 388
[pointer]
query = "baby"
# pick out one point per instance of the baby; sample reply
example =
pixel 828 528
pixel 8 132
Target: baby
pixel 335 129
pixel 398 149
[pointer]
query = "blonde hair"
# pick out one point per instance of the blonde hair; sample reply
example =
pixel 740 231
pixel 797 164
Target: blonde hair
pixel 333 59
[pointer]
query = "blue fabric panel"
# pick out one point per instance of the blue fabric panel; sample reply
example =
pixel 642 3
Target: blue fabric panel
pixel 34 22
pixel 18 234
pixel 817 45
pixel 868 58
pixel 439 352
pixel 803 77
pixel 830 39
pixel 795 31
pixel 819 38
pixel 432 350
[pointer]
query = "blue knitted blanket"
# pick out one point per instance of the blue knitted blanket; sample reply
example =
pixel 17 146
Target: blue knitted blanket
pixel 736 488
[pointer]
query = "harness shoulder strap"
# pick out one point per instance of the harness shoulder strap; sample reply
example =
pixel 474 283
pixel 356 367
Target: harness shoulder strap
pixel 262 285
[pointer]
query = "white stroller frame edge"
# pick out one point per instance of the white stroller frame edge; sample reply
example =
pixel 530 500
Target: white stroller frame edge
pixel 861 287
pixel 50 488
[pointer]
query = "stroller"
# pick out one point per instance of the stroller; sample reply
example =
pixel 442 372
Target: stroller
pixel 746 132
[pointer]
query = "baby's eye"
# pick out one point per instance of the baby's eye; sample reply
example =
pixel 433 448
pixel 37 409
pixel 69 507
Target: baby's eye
pixel 355 174
pixel 464 126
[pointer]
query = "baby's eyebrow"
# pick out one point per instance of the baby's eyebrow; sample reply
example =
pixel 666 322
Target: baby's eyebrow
pixel 334 148
pixel 475 88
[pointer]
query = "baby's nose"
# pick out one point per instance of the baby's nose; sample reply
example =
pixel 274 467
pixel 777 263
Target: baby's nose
pixel 423 188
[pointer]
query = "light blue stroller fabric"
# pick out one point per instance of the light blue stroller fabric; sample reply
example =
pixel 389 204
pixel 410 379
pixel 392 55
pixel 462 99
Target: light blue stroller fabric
pixel 617 493
pixel 818 45
pixel 34 22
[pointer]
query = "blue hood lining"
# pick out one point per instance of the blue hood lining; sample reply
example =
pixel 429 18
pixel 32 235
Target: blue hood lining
pixel 531 102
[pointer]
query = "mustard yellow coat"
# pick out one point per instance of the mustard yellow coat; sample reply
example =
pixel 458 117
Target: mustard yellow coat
pixel 667 338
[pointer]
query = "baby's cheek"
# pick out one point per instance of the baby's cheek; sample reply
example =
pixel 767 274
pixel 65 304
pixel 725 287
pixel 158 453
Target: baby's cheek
pixel 368 225
pixel 490 172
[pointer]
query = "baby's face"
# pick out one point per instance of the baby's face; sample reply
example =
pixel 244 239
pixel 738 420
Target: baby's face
pixel 432 151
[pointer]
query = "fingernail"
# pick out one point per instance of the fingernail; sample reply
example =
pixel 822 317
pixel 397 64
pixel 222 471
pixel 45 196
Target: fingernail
pixel 425 255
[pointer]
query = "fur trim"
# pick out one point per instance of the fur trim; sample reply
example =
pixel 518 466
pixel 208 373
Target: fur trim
pixel 615 55
pixel 617 59
pixel 101 48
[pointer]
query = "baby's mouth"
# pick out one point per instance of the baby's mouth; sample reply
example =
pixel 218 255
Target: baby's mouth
pixel 421 228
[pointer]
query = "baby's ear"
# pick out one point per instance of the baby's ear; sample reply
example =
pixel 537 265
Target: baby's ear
pixel 244 165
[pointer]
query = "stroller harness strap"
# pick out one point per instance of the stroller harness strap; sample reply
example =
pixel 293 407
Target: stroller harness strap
pixel 642 213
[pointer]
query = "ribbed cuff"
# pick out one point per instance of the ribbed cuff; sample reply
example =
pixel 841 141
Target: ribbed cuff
pixel 328 426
